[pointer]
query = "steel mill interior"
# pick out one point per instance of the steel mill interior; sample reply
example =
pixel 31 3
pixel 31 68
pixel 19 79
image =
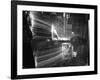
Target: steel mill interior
pixel 55 39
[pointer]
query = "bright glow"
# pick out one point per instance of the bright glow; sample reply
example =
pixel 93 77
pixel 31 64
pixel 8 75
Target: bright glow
pixel 64 14
pixel 72 32
pixel 35 61
pixel 32 18
pixel 31 15
pixel 74 54
pixel 63 38
pixel 65 49
pixel 54 32
pixel 48 40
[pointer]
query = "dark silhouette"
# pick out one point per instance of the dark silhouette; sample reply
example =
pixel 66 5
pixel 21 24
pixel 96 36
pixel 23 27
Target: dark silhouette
pixel 28 59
